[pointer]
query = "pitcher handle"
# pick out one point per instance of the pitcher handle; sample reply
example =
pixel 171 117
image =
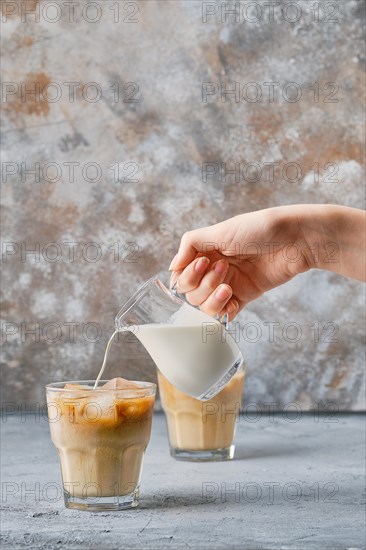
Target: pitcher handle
pixel 224 319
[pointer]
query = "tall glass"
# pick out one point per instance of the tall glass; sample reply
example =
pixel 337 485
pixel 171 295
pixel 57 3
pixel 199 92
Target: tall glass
pixel 202 431
pixel 101 436
pixel 191 349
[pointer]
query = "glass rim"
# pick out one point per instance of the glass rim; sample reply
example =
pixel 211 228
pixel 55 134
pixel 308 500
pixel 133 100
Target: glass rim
pixel 140 293
pixel 59 387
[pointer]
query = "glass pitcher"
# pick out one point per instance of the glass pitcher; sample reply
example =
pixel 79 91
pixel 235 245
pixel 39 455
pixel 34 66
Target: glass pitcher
pixel 194 351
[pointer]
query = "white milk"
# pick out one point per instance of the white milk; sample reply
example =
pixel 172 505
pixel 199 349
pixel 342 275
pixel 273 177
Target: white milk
pixel 193 351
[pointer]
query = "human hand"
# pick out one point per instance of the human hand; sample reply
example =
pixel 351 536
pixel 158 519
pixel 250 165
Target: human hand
pixel 222 267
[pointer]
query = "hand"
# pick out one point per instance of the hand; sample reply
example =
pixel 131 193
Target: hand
pixel 223 267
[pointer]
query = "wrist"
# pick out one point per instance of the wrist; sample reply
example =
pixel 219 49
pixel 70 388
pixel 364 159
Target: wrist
pixel 319 230
pixel 291 224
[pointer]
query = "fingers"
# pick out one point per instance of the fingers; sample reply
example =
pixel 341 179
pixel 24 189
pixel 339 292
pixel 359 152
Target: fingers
pixel 231 308
pixel 190 244
pixel 216 302
pixel 186 253
pixel 191 276
pixel 208 292
pixel 174 278
pixel 203 286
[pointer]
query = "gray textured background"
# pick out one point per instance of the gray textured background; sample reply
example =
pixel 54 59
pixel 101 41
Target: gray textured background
pixel 169 133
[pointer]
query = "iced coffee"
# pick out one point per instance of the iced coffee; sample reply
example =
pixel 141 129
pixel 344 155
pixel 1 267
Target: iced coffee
pixel 101 436
pixel 202 430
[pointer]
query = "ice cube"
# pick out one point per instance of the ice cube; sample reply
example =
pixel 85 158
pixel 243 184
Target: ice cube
pixel 121 384
pixel 76 387
pixel 104 406
pixel 79 391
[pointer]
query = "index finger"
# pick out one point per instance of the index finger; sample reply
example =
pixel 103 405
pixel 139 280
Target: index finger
pixel 192 244
pixel 185 255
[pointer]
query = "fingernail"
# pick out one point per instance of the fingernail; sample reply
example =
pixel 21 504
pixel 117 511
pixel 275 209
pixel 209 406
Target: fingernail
pixel 173 279
pixel 222 293
pixel 172 262
pixel 233 306
pixel 201 264
pixel 221 267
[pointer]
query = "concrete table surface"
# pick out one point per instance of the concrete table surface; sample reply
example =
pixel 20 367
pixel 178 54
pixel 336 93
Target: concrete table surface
pixel 291 485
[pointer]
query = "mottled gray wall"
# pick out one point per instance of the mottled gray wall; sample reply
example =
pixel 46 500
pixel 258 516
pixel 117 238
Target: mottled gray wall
pixel 167 134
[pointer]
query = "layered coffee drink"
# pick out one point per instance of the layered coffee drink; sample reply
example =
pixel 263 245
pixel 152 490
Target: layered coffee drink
pixel 202 430
pixel 101 436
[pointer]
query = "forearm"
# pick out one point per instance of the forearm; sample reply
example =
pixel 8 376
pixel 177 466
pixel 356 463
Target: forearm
pixel 336 239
